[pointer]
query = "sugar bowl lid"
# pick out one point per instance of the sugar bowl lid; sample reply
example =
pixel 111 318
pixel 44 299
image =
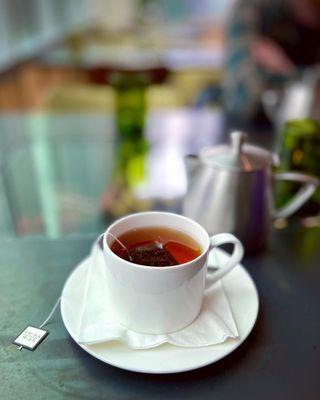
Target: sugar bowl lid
pixel 238 156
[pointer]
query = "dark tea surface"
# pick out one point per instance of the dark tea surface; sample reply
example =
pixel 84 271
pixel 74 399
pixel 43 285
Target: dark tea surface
pixel 156 246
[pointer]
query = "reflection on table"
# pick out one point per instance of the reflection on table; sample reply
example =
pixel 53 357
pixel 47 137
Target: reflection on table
pixel 57 170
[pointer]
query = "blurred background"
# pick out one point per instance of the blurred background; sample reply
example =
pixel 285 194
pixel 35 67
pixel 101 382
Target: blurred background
pixel 53 51
pixel 100 101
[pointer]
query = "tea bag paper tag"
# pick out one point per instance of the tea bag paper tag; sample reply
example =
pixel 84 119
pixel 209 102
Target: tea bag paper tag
pixel 30 337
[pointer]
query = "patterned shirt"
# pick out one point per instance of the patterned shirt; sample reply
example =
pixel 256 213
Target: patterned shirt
pixel 244 81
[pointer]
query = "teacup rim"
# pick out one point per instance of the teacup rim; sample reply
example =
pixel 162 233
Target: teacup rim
pixel 151 267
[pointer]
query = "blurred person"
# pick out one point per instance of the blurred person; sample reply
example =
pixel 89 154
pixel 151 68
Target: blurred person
pixel 268 43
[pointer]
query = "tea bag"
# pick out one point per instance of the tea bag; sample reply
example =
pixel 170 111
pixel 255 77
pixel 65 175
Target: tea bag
pixel 152 254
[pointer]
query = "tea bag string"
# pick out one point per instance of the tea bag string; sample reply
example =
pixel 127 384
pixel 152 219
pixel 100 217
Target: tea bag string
pixel 46 321
pixel 59 299
pixel 121 244
pixel 51 313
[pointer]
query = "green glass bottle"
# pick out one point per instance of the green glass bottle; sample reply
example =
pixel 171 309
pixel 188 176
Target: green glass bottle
pixel 130 113
pixel 129 177
pixel 300 151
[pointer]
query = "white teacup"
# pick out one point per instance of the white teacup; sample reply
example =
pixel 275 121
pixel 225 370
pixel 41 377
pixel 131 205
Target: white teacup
pixel 159 300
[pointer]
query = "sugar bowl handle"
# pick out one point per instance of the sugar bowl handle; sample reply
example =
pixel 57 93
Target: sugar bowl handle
pixel 310 184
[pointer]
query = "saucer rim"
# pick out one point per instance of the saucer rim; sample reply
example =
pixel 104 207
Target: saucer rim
pixel 236 341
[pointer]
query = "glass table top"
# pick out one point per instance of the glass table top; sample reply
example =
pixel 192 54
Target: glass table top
pixel 58 190
pixel 57 172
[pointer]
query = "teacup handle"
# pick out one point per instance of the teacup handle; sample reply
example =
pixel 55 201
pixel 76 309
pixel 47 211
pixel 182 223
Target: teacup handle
pixel 310 184
pixel 235 258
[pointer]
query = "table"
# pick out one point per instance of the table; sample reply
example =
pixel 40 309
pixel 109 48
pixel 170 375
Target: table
pixel 279 360
pixel 56 169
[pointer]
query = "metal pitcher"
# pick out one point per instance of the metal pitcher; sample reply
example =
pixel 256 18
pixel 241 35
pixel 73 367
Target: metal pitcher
pixel 298 100
pixel 230 189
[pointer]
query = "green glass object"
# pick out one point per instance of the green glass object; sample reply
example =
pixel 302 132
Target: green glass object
pixel 125 194
pixel 130 109
pixel 300 151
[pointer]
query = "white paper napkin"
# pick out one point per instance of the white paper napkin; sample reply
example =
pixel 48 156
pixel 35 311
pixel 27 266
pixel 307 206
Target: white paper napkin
pixel 214 324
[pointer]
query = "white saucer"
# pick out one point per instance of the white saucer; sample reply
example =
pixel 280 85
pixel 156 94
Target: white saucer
pixel 243 297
